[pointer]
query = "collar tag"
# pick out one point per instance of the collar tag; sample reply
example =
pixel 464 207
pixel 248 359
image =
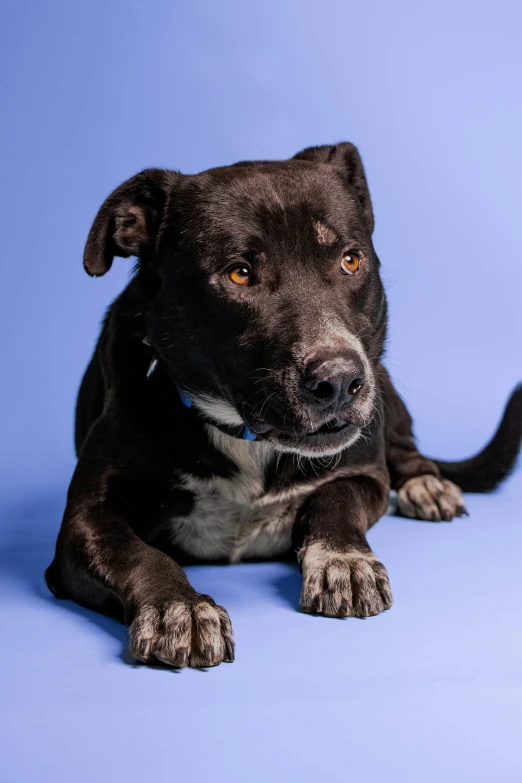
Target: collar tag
pixel 152 367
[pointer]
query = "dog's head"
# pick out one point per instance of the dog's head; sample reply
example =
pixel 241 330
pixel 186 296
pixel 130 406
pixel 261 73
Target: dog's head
pixel 267 308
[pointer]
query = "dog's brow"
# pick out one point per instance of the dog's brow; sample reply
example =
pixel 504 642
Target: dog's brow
pixel 325 235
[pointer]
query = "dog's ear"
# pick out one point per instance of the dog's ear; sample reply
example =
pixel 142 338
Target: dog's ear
pixel 347 162
pixel 128 221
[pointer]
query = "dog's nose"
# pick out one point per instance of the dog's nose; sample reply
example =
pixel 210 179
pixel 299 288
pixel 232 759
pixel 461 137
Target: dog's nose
pixel 334 382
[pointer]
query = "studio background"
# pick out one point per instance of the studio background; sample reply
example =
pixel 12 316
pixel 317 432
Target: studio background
pixel 429 92
pixel 93 92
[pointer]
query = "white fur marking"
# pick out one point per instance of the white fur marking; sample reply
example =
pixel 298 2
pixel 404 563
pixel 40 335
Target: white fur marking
pixel 232 517
pixel 218 410
pixel 325 235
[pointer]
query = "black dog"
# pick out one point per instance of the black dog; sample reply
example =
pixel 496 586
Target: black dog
pixel 236 406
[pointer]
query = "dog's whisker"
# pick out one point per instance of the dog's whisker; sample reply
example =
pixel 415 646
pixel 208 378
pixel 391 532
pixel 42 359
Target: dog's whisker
pixel 265 403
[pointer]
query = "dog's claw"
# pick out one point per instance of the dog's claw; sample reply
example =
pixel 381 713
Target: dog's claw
pixel 229 650
pixel 181 660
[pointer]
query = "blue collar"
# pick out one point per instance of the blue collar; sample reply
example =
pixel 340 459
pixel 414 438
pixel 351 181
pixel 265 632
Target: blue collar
pixel 187 402
pixel 246 434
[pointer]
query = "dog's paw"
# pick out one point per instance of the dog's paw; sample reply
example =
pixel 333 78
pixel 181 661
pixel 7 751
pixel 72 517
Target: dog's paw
pixel 432 499
pixel 182 634
pixel 343 584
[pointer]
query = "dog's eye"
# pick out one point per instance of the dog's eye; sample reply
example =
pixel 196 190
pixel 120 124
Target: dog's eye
pixel 239 275
pixel 350 263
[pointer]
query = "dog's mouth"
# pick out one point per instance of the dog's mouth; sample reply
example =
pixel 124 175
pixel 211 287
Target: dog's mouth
pixel 329 438
pixel 329 428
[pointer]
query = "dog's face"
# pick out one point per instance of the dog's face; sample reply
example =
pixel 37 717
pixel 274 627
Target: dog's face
pixel 268 310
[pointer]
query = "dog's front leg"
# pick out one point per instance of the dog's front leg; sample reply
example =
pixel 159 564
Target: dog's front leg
pixel 101 563
pixel 341 575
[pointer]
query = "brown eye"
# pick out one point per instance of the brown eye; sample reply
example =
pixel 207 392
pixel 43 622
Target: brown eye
pixel 239 275
pixel 350 263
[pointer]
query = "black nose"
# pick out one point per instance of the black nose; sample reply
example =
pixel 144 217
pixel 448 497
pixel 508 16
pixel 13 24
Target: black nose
pixel 334 382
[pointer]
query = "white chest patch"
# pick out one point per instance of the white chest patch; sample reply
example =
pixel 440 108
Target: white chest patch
pixel 233 518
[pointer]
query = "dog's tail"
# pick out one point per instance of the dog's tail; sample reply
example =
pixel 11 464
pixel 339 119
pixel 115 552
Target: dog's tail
pixel 487 469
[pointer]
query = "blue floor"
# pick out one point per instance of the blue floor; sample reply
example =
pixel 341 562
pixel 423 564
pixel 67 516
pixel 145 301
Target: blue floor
pixel 429 691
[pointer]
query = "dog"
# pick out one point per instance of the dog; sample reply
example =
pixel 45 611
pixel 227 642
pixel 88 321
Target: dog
pixel 236 406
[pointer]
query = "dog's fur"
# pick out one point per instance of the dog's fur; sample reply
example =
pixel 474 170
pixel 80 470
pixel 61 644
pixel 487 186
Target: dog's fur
pixel 158 483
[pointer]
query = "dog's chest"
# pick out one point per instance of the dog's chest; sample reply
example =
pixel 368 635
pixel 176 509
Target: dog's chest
pixel 234 518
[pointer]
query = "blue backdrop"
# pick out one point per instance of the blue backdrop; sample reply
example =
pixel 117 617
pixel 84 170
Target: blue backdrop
pixel 430 92
pixel 93 92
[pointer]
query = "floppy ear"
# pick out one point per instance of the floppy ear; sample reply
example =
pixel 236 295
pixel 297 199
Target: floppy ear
pixel 128 221
pixel 347 162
